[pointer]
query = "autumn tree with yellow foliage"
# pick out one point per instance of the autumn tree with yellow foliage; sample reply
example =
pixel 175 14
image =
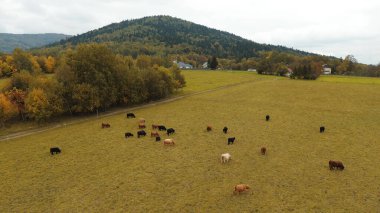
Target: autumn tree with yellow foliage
pixel 7 110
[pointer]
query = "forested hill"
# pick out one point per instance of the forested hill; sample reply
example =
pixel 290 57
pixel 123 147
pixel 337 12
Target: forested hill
pixel 163 35
pixel 8 41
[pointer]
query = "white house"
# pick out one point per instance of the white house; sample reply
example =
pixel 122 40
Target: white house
pixel 326 70
pixel 183 65
pixel 289 72
pixel 205 65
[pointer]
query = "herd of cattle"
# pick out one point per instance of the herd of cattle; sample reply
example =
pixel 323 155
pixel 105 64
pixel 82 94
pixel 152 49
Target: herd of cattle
pixel 224 158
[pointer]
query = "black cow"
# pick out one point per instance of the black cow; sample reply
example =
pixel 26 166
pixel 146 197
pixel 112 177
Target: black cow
pixel 231 141
pixel 55 150
pixel 161 128
pixel 128 134
pixel 225 129
pixel 267 118
pixel 131 115
pixel 141 133
pixel 334 164
pixel 158 139
pixel 321 129
pixel 263 150
pixel 170 131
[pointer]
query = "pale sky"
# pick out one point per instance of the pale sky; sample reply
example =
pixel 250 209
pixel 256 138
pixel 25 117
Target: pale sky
pixel 329 27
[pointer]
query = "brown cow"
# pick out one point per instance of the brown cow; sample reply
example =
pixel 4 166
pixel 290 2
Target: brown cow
pixel 334 164
pixel 169 142
pixel 142 120
pixel 263 150
pixel 241 188
pixel 154 134
pixel 155 126
pixel 141 126
pixel 106 125
pixel 209 128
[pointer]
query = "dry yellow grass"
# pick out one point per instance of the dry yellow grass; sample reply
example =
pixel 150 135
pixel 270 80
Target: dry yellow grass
pixel 349 79
pixel 101 171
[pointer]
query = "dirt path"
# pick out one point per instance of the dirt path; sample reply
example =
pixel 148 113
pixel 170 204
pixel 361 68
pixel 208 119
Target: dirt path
pixel 115 112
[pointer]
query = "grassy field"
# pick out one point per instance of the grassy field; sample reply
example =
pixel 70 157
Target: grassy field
pixel 101 171
pixel 205 80
pixel 349 79
pixel 199 81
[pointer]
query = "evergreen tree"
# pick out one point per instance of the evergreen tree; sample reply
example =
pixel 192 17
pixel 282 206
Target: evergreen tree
pixel 213 63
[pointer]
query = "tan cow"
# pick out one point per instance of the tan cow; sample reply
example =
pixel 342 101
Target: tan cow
pixel 169 142
pixel 241 188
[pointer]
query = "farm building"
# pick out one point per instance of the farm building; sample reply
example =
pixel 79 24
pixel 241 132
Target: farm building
pixel 288 72
pixel 183 65
pixel 326 70
pixel 205 65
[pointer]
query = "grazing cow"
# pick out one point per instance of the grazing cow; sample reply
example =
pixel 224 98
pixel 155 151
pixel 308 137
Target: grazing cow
pixel 55 150
pixel 158 139
pixel 209 128
pixel 231 141
pixel 224 158
pixel 128 134
pixel 131 115
pixel 142 120
pixel 169 142
pixel 141 133
pixel 263 150
pixel 267 118
pixel 170 131
pixel 321 129
pixel 225 129
pixel 142 126
pixel 154 134
pixel 334 164
pixel 154 126
pixel 241 188
pixel 161 128
pixel 105 125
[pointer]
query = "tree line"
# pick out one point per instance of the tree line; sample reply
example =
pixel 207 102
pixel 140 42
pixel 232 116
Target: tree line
pixel 303 67
pixel 173 38
pixel 87 79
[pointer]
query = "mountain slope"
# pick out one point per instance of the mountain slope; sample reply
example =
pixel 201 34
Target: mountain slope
pixel 8 41
pixel 162 35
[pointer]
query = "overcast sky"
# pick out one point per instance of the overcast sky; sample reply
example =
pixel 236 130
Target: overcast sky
pixel 329 27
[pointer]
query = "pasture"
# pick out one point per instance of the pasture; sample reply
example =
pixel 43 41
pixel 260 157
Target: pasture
pixel 99 170
pixel 349 79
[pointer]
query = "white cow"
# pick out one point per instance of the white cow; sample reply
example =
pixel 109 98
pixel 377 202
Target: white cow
pixel 224 158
